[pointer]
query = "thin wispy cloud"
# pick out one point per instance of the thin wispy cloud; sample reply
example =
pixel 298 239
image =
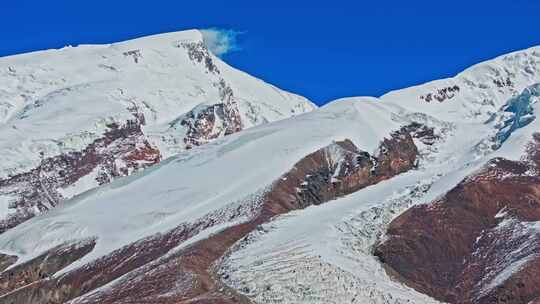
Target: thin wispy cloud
pixel 221 41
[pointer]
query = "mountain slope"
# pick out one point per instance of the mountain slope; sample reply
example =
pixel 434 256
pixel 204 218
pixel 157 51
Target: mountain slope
pixel 79 117
pixel 297 211
pixel 206 190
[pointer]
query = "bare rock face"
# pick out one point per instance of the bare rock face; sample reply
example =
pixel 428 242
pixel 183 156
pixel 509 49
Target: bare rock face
pixel 213 121
pixel 443 94
pixel 480 243
pixel 198 52
pixel 341 169
pixel 210 123
pixel 121 151
pixel 152 271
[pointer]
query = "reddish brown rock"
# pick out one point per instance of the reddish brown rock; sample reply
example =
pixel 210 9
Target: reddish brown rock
pixel 478 243
pixel 121 151
pixel 42 267
pixel 198 52
pixel 210 123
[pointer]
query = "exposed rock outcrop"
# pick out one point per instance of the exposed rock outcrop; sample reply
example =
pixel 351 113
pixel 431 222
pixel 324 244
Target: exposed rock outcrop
pixel 340 169
pixel 479 243
pixel 210 122
pixel 122 150
pixel 42 267
pixel 442 94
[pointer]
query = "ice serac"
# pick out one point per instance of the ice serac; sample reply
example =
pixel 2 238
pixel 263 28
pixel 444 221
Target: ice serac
pixel 78 117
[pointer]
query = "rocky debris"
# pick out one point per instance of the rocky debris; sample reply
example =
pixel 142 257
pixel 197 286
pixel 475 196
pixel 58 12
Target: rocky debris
pixel 198 52
pixel 135 54
pixel 181 276
pixel 503 82
pixel 535 301
pixel 211 122
pixel 340 169
pixel 441 94
pixel 152 272
pixel 122 150
pixel 423 133
pixel 479 243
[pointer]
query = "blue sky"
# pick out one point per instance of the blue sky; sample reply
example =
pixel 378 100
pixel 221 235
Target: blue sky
pixel 322 50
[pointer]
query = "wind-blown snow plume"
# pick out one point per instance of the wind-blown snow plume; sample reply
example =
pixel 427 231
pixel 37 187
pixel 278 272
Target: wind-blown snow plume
pixel 221 41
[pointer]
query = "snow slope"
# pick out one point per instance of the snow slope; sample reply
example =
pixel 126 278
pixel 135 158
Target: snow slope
pixel 99 112
pixel 195 183
pixel 61 100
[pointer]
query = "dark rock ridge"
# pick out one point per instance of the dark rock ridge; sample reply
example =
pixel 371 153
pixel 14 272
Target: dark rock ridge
pixel 122 150
pixel 441 95
pixel 152 271
pixel 479 243
pixel 211 122
pixel 198 52
pixel 43 266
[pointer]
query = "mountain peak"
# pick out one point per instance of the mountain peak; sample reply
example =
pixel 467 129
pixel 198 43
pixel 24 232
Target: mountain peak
pixel 169 39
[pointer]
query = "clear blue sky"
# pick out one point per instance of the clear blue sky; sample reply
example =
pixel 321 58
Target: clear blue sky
pixel 323 50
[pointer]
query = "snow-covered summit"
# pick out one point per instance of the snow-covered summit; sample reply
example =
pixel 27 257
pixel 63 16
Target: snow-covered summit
pixel 58 100
pixel 78 117
pixel 478 92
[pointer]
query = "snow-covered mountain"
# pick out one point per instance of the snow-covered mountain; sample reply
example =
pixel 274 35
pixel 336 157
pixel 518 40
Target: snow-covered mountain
pixel 425 195
pixel 78 117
